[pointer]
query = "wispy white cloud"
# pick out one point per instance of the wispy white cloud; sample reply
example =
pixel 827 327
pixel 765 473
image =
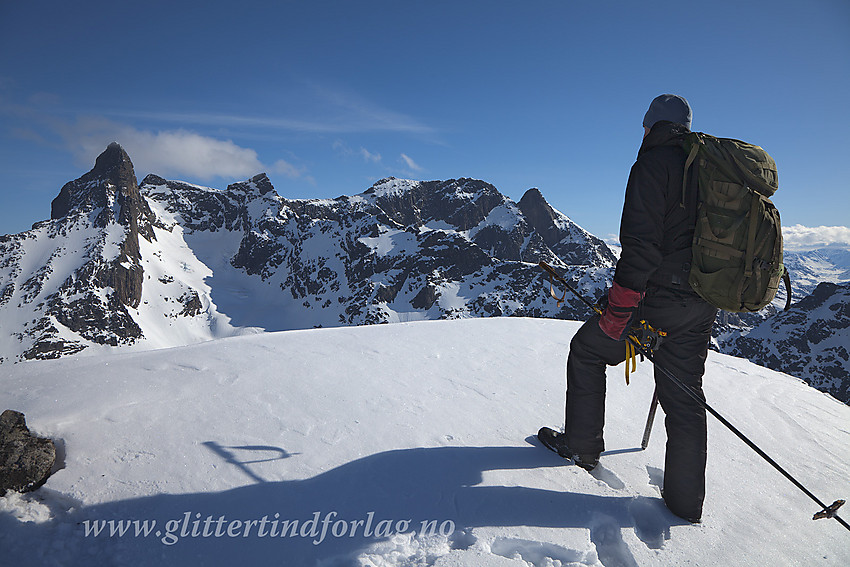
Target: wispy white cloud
pixel 369 156
pixel 350 112
pixel 345 150
pixel 233 121
pixel 798 238
pixel 328 112
pixel 412 165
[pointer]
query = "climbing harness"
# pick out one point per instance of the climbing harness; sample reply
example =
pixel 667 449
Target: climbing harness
pixel 642 338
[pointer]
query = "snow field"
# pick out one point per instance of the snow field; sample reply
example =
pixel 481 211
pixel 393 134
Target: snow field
pixel 417 422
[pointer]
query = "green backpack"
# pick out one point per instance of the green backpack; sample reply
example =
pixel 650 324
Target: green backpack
pixel 737 247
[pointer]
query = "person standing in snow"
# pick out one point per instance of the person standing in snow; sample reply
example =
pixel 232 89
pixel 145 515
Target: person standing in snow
pixel 650 283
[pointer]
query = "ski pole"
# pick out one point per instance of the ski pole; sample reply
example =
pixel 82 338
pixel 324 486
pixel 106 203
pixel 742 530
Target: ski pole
pixel 825 511
pixel 828 511
pixel 647 431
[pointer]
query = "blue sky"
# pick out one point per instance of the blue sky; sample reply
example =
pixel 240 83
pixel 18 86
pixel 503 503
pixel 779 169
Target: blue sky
pixel 329 96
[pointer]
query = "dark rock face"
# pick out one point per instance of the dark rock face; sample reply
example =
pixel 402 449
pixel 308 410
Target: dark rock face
pixel 110 189
pixel 462 203
pixel 540 216
pixel 110 193
pixel 25 460
pixel 566 240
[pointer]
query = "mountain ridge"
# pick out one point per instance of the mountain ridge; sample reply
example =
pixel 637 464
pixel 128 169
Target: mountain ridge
pixel 146 256
pixel 167 263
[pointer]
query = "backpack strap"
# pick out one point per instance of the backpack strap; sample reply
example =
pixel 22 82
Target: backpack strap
pixel 787 279
pixel 688 162
pixel 751 235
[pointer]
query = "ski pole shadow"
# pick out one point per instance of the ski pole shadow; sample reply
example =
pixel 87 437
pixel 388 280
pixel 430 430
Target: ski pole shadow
pixel 229 456
pixel 621 451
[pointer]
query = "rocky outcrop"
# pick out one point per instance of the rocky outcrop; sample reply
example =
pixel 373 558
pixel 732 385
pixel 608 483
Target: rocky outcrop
pixel 110 189
pixel 26 460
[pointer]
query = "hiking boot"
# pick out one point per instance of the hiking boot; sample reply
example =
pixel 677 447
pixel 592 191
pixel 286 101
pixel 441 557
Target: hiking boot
pixel 557 442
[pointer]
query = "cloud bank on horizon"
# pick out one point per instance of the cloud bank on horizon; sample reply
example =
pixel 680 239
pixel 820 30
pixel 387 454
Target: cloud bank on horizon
pixel 796 237
pixel 799 238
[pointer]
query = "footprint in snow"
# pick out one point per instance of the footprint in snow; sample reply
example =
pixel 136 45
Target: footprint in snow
pixel 607 476
pixel 536 553
pixel 606 535
pixel 651 521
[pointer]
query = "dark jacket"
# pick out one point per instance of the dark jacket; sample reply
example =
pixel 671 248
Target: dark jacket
pixel 657 227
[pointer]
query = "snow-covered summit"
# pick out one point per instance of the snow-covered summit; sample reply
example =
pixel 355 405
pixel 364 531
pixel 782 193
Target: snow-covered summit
pixel 399 445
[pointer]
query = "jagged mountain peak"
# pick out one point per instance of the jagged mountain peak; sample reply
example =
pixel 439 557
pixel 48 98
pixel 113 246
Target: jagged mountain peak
pixel 239 207
pixel 389 182
pixel 153 179
pixel 540 214
pixel 532 194
pixel 461 203
pixel 260 183
pixel 114 157
pixel 463 187
pixel 87 281
pixel 112 181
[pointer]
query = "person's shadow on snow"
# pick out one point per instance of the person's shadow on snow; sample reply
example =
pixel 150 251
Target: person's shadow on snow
pixel 341 512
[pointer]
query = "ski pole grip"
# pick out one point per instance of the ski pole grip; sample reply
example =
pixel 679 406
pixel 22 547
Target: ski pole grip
pixel 550 270
pixel 554 275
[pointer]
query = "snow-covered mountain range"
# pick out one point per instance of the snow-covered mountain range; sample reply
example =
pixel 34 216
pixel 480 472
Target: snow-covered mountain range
pixel 813 267
pixel 812 339
pixel 166 263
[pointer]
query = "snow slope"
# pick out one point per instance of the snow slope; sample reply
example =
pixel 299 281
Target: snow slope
pixel 811 267
pixel 417 434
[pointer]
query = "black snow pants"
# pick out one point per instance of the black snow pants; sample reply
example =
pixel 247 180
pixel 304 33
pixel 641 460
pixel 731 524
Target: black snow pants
pixel 687 319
